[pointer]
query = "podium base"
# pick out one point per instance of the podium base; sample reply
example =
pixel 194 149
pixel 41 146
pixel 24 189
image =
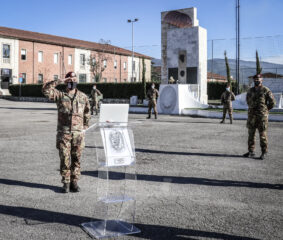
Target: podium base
pixel 109 228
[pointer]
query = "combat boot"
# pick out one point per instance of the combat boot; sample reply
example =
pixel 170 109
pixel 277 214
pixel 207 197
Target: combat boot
pixel 249 154
pixel 231 119
pixel 66 188
pixel 263 156
pixel 75 187
pixel 155 115
pixel 223 121
pixel 148 116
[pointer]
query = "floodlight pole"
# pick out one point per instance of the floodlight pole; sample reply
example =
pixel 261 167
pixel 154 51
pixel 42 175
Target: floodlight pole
pixel 132 21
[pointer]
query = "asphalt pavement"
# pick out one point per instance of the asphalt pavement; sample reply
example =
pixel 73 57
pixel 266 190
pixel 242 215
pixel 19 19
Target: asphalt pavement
pixel 192 181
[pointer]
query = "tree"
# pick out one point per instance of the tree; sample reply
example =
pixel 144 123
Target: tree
pixel 227 69
pixel 258 68
pixel 143 79
pixel 96 62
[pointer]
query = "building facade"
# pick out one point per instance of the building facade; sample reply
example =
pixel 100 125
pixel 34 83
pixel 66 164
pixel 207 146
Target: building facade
pixel 31 58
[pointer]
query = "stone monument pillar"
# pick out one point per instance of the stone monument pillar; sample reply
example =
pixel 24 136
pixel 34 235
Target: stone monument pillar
pixel 184 54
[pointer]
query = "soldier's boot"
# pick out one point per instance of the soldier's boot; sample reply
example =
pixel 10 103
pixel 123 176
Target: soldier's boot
pixel 249 154
pixel 231 119
pixel 263 156
pixel 223 119
pixel 155 114
pixel 75 187
pixel 149 115
pixel 66 188
pixel 91 112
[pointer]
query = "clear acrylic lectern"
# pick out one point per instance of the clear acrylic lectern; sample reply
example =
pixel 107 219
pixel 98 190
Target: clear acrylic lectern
pixel 116 182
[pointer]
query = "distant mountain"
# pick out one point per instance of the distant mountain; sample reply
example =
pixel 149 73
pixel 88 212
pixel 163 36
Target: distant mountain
pixel 247 68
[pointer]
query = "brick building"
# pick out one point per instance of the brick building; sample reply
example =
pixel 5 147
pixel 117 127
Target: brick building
pixel 32 57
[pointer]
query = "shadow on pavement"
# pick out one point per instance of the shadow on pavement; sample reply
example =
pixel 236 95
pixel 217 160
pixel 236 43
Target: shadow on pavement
pixel 29 184
pixel 34 216
pixel 186 153
pixel 185 180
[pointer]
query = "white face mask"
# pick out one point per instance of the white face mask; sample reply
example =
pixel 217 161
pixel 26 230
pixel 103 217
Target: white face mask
pixel 228 89
pixel 94 87
pixel 152 86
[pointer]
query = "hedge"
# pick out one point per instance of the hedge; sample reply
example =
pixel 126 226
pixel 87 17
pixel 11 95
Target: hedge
pixel 109 90
pixel 113 90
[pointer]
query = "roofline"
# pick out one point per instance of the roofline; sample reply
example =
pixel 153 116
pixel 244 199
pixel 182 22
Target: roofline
pixel 71 45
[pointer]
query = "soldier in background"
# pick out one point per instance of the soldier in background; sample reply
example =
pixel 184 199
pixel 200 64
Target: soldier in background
pixel 260 100
pixel 171 80
pixel 73 118
pixel 94 96
pixel 152 95
pixel 226 100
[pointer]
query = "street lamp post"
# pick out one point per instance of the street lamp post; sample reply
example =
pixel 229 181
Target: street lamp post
pixel 132 21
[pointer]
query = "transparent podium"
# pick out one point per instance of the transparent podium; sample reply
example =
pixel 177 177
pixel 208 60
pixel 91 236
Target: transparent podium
pixel 116 181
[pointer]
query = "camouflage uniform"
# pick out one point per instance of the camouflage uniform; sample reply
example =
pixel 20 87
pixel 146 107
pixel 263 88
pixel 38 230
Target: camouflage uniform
pixel 152 94
pixel 226 99
pixel 94 96
pixel 260 101
pixel 73 118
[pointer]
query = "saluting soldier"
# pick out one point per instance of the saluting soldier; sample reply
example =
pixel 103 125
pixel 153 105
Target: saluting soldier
pixel 94 96
pixel 152 95
pixel 73 118
pixel 260 101
pixel 226 99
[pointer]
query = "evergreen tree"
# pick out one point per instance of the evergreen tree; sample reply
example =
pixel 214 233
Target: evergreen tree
pixel 258 68
pixel 227 69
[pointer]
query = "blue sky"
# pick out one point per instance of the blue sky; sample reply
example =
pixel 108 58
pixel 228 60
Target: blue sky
pixel 93 20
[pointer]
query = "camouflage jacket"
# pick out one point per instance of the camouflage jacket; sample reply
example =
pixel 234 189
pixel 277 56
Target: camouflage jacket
pixel 227 98
pixel 94 94
pixel 152 94
pixel 73 111
pixel 260 101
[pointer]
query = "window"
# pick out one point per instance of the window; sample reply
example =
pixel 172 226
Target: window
pixel 134 65
pixel 23 77
pixel 125 65
pixel 125 80
pixel 55 77
pixel 6 53
pixel 70 59
pixel 40 56
pixel 93 61
pixel 116 80
pixel 23 54
pixel 40 78
pixel 55 58
pixel 82 60
pixel 115 64
pixel 82 78
pixel 104 79
pixel 105 63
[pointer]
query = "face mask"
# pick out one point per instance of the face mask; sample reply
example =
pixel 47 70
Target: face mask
pixel 152 87
pixel 94 88
pixel 228 89
pixel 72 85
pixel 257 83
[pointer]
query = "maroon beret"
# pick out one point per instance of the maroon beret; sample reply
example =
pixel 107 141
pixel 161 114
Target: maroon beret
pixel 70 75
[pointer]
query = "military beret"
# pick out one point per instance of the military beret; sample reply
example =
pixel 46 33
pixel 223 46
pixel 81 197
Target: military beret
pixel 70 75
pixel 257 76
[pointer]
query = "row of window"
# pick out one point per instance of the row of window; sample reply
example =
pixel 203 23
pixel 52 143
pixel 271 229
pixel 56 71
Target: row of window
pixel 40 57
pixel 6 58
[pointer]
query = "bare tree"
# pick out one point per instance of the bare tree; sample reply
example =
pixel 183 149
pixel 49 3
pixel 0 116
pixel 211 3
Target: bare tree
pixel 98 63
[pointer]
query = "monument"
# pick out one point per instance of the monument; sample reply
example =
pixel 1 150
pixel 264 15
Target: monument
pixel 184 58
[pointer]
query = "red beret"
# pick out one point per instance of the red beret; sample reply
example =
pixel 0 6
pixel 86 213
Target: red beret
pixel 70 75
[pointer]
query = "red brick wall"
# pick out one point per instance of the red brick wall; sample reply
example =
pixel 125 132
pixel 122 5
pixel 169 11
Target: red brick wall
pixel 32 67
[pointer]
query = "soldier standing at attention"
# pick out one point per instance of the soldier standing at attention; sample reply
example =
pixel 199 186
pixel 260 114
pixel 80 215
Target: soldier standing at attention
pixel 260 100
pixel 226 99
pixel 73 118
pixel 94 96
pixel 152 95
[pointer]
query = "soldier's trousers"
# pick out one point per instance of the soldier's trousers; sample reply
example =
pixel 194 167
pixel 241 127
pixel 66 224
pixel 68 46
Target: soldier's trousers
pixel 70 146
pixel 261 124
pixel 230 112
pixel 152 104
pixel 94 106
